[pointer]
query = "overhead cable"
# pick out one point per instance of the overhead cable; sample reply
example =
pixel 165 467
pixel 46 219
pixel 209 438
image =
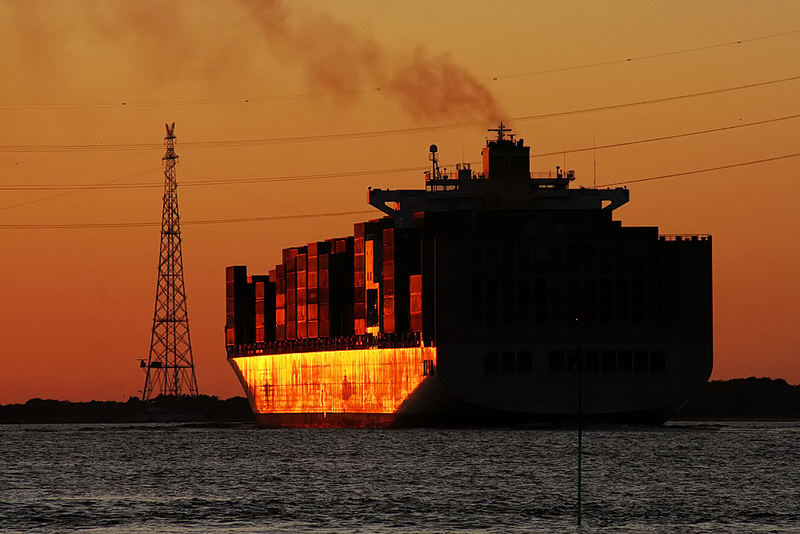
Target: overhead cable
pixel 141 224
pixel 707 169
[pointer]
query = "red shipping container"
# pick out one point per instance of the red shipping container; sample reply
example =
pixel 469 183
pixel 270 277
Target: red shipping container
pixel 359 295
pixel 291 330
pixel 415 283
pixel 361 327
pixel 291 314
pixel 324 312
pixel 324 279
pixel 302 296
pixel 280 331
pixel 280 300
pixel 324 329
pixel 280 316
pixel 313 311
pixel 360 312
pixel 313 329
pixel 302 280
pixel 260 290
pixel 416 302
pixel 359 262
pixel 302 330
pixel 302 262
pixel 313 296
pixel 301 314
pixel 360 279
pixel 388 286
pixel 324 261
pixel 388 324
pixel 359 245
pixel 416 321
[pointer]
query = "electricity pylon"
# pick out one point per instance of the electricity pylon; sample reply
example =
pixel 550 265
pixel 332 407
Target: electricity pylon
pixel 170 367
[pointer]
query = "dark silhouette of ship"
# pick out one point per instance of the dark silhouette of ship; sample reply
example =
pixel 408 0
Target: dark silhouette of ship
pixel 499 297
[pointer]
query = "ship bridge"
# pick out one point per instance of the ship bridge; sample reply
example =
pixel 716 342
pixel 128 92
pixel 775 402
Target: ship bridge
pixel 506 183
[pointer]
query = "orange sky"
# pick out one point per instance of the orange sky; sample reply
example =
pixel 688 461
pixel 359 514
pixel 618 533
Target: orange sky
pixel 77 304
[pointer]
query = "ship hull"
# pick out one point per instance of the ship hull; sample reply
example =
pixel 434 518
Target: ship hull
pixel 420 386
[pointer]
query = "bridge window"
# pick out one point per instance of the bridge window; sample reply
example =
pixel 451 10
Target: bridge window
pixel 491 363
pixel 524 366
pixel 556 362
pixel 658 362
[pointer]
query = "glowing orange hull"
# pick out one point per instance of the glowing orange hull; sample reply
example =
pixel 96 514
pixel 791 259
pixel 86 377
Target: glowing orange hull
pixel 373 387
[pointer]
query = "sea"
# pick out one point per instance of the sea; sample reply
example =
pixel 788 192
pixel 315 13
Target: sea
pixel 187 478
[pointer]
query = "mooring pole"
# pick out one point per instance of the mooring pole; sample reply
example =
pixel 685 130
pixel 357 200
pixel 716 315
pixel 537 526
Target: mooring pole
pixel 579 361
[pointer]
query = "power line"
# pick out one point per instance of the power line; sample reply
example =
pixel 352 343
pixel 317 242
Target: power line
pixel 122 104
pixel 643 57
pixel 186 102
pixel 142 224
pixel 668 137
pixel 342 213
pixel 67 192
pixel 707 169
pixel 346 174
pixel 373 133
pixel 656 100
pixel 225 143
pixel 190 183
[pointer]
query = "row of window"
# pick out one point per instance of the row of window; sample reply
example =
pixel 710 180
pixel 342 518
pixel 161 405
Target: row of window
pixel 523 257
pixel 507 363
pixel 608 361
pixel 558 301
pixel 592 361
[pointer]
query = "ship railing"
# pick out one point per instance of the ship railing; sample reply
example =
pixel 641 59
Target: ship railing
pixel 367 341
pixel 684 237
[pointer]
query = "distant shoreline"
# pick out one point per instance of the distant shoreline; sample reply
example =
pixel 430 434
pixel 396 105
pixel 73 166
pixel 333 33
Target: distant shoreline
pixel 741 399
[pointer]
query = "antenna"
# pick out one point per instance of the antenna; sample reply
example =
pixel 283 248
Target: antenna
pixel 434 159
pixel 594 158
pixel 170 366
pixel 501 131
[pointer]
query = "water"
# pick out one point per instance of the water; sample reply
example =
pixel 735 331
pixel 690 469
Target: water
pixel 685 477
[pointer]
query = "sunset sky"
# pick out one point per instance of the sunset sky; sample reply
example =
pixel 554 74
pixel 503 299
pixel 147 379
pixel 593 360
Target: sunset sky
pixel 263 95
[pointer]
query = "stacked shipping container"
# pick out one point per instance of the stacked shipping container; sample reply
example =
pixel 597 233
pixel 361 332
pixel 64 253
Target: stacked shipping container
pixel 330 289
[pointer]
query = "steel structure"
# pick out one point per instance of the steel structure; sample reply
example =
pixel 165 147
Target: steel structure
pixel 170 367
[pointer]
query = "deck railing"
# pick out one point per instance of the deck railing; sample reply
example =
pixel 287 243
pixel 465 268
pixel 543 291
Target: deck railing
pixel 684 237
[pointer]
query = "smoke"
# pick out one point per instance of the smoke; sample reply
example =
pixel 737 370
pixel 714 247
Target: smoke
pixel 334 57
pixel 130 49
pixel 85 46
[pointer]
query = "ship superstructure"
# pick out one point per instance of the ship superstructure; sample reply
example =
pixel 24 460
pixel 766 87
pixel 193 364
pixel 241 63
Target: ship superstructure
pixel 477 300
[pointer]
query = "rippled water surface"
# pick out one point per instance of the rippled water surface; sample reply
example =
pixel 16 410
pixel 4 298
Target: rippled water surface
pixel 684 477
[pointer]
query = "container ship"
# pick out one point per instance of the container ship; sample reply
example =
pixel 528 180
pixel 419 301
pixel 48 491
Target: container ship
pixel 498 297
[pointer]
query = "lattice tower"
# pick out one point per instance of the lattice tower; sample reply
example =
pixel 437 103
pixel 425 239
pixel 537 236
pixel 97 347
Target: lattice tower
pixel 170 366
